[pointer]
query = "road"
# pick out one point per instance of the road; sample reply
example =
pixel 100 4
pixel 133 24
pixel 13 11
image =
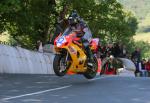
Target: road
pixel 73 89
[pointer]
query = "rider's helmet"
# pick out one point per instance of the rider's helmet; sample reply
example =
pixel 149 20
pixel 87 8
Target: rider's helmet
pixel 73 19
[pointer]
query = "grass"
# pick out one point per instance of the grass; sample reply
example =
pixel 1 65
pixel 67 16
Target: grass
pixel 142 37
pixel 146 21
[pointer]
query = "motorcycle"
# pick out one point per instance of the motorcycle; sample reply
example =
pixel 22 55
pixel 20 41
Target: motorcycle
pixel 71 58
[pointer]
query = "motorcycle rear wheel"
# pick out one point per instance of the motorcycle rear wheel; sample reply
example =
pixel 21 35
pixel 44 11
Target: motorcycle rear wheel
pixel 90 74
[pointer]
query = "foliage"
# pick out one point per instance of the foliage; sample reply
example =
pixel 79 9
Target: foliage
pixel 107 19
pixel 145 48
pixel 140 8
pixel 144 25
pixel 30 20
pixel 27 20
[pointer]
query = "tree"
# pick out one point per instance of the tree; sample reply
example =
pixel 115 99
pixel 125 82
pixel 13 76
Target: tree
pixel 27 20
pixel 107 19
pixel 30 20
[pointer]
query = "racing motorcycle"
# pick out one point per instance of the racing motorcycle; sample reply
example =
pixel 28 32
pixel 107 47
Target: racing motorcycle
pixel 71 57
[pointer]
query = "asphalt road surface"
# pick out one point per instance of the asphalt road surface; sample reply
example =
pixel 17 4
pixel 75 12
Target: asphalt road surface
pixel 73 89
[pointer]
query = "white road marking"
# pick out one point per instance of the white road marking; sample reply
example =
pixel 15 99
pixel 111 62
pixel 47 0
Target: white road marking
pixel 35 93
pixel 49 90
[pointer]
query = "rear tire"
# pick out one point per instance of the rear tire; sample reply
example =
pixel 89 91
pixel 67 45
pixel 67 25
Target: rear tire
pixel 90 74
pixel 57 65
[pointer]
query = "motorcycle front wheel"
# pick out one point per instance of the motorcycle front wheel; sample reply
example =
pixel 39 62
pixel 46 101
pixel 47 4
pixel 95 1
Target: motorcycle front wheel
pixel 59 65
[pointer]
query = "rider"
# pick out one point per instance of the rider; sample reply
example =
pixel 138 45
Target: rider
pixel 77 23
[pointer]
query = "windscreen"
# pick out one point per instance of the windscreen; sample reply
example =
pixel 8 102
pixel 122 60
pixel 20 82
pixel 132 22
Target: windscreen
pixel 67 32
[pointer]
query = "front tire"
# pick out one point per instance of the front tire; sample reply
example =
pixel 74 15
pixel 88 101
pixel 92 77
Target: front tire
pixel 91 73
pixel 58 64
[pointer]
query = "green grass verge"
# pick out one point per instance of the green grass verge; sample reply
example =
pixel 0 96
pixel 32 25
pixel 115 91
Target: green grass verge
pixel 142 37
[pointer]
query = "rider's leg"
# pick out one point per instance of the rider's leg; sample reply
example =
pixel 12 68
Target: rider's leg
pixel 88 52
pixel 89 55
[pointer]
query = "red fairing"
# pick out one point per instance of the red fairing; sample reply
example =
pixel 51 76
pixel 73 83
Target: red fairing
pixel 64 40
pixel 57 38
